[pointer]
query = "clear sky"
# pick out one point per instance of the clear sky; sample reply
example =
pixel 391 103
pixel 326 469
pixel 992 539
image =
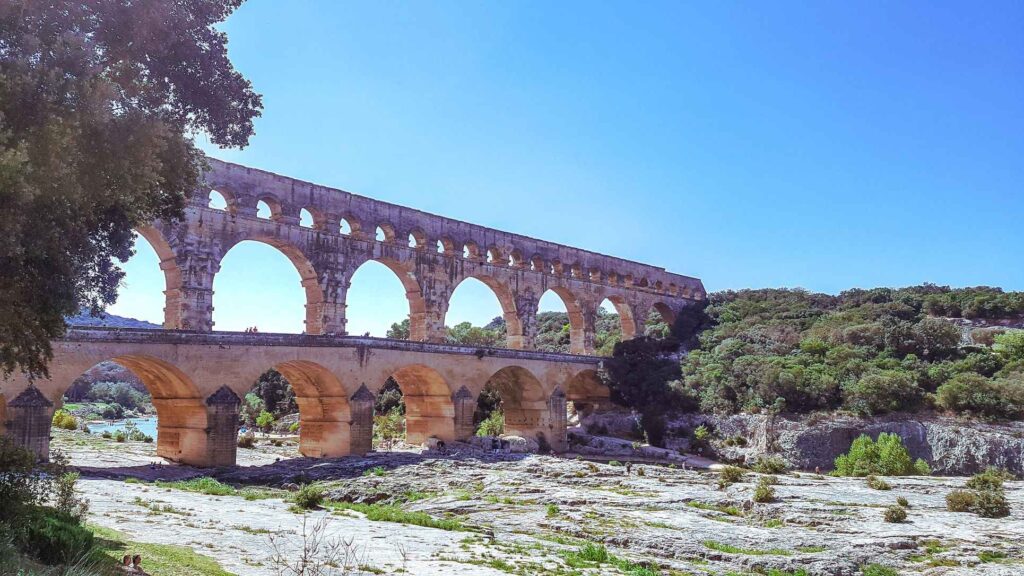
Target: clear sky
pixel 825 145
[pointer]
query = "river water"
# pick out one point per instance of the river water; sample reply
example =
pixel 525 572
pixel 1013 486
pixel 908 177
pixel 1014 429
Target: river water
pixel 146 425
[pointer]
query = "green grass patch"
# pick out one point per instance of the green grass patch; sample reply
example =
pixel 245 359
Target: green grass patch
pixel 203 485
pixel 157 559
pixel 730 510
pixel 386 513
pixel 730 549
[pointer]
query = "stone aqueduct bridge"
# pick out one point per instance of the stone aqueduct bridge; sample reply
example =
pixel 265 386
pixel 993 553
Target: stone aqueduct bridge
pixel 196 375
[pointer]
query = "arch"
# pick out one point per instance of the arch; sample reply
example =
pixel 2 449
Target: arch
pixel 470 251
pixel 586 392
pixel 557 268
pixel 494 256
pixel 537 263
pixel 668 315
pixel 308 279
pixel 595 274
pixel 385 233
pixel 515 258
pixel 445 246
pixel 311 218
pixel 268 207
pixel 577 322
pixel 513 325
pixel 221 200
pixel 417 239
pixel 576 271
pixel 627 320
pixel 348 226
pixel 416 312
pixel 172 275
pixel 324 414
pixel 523 400
pixel 429 411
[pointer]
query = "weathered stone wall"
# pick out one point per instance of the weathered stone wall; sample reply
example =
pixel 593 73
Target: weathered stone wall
pixel 430 255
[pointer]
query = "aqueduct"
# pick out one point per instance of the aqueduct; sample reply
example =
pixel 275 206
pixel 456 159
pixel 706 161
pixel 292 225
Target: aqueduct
pixel 197 375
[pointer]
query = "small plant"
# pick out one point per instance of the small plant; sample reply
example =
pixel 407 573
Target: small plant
pixel 65 420
pixel 309 496
pixel 991 504
pixel 640 471
pixel 106 434
pixel 247 440
pixel 68 501
pixel 701 433
pixel 764 492
pixel 730 475
pixel 294 427
pixel 493 425
pixel 886 457
pixel 922 468
pixel 960 501
pixel 615 463
pixel 552 510
pixel 375 471
pixel 902 502
pixel 120 436
pixel 878 570
pixel 769 465
pixel 876 483
pixel 991 479
pixel 895 514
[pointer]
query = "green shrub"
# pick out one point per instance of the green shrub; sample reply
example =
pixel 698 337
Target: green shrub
pixel 883 391
pixel 65 420
pixel 960 501
pixel 999 398
pixel 764 492
pixel 66 497
pixel 878 570
pixel 493 425
pixel 876 483
pixel 729 475
pixel 552 510
pixel 701 433
pixel 921 468
pixel 769 465
pixel 886 457
pixel 903 502
pixel 294 427
pixel 389 427
pixel 991 504
pixel 895 514
pixel 991 479
pixel 106 434
pixel 55 538
pixel 309 496
pixel 120 436
pixel 264 421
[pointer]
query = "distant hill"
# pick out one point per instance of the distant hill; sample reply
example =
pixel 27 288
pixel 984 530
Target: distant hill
pixel 83 318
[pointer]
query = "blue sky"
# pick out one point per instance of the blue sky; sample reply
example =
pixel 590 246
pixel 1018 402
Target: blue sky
pixel 825 146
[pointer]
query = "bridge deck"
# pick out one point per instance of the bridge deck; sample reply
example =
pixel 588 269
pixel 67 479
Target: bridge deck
pixel 193 337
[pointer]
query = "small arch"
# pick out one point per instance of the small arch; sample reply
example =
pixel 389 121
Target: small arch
pixel 344 227
pixel 642 283
pixel 515 258
pixel 627 280
pixel 470 251
pixel 385 233
pixel 595 274
pixel 673 289
pixel 537 263
pixel 557 268
pixel 612 278
pixel 576 271
pixel 658 285
pixel 417 239
pixel 219 201
pixel 494 255
pixel 265 211
pixel 306 219
pixel 445 246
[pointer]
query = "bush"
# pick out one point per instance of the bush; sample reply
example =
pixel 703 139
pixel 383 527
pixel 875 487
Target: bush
pixel 493 425
pixel 769 465
pixel 764 492
pixel 903 502
pixel 1000 398
pixel 991 504
pixel 886 457
pixel 878 570
pixel 120 436
pixel 883 391
pixel 247 440
pixel 1010 345
pixel 264 421
pixel 309 496
pixel 876 483
pixel 895 514
pixel 991 479
pixel 389 428
pixel 65 420
pixel 294 427
pixel 55 538
pixel 960 501
pixel 921 468
pixel 67 500
pixel 729 475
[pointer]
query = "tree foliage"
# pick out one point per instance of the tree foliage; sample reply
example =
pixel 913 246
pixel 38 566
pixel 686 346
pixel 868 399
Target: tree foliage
pixel 97 100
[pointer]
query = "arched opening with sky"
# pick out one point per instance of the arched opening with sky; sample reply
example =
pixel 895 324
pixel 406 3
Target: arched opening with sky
pixel 141 294
pixel 474 305
pixel 258 286
pixel 376 301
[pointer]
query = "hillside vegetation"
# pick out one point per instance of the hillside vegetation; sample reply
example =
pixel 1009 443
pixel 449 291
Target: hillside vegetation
pixel 866 351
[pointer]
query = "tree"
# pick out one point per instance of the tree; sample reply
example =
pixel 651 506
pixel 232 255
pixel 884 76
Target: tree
pixel 640 374
pixel 96 102
pixel 265 420
pixel 399 330
pixel 276 393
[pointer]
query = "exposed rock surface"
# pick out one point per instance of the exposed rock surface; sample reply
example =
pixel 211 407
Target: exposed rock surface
pixel 950 446
pixel 528 514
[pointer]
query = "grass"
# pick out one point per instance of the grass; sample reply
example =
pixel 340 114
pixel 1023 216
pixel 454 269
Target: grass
pixel 878 570
pixel 730 510
pixel 203 485
pixel 158 559
pixel 730 549
pixel 385 513
pixel 592 555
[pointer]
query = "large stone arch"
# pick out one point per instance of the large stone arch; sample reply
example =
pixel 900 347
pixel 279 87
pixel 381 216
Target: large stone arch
pixel 429 411
pixel 173 295
pixel 667 313
pixel 587 393
pixel 406 274
pixel 309 279
pixel 324 413
pixel 629 324
pixel 506 299
pixel 525 403
pixel 577 320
